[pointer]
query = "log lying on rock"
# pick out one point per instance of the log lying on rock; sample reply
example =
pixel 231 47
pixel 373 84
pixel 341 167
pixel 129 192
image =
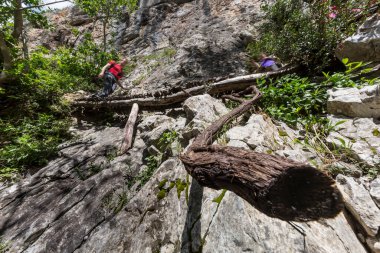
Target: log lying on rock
pixel 236 83
pixel 277 186
pixel 129 129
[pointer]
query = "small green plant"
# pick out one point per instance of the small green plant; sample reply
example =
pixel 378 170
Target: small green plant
pixel 231 104
pixel 372 172
pixel 179 184
pixel 219 199
pixel 115 201
pixel 3 246
pixel 111 154
pixel 167 138
pixel 221 136
pixel 152 163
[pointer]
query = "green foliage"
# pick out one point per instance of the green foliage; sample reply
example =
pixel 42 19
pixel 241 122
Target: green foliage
pixel 180 185
pixel 231 104
pixel 167 139
pixel 294 99
pixel 105 10
pixel 219 199
pixel 344 79
pixel 29 143
pixel 115 201
pixel 34 118
pixel 307 33
pixel 152 163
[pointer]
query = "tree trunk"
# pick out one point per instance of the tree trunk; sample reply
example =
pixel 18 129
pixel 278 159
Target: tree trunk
pixel 6 56
pixel 128 129
pixel 18 24
pixel 277 186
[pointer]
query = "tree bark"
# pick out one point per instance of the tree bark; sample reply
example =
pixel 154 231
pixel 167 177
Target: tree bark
pixel 7 58
pixel 18 22
pixel 277 186
pixel 128 129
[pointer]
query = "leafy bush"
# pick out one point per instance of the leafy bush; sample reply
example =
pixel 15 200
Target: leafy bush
pixel 307 33
pixel 34 117
pixel 294 99
pixel 29 143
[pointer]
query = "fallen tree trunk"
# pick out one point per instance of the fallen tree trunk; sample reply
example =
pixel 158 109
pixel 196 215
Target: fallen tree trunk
pixel 128 129
pixel 236 83
pixel 277 186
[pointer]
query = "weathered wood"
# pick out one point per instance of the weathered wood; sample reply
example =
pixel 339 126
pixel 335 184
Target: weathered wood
pixel 236 83
pixel 275 185
pixel 128 129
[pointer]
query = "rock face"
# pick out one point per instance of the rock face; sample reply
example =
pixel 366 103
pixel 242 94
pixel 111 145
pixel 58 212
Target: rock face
pixel 92 199
pixel 181 43
pixel 362 207
pixel 203 225
pixel 361 136
pixel 354 102
pixel 200 112
pixel 375 191
pixel 88 200
pixel 55 209
pixel 364 45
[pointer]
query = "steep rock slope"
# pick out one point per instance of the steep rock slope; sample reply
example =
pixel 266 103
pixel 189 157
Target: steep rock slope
pixel 92 199
pixel 89 200
pixel 177 44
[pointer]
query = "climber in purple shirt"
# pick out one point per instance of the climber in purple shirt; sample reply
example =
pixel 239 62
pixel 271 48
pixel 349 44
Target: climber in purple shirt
pixel 266 64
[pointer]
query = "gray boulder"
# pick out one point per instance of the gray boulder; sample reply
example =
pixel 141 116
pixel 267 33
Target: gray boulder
pixel 201 111
pixel 364 45
pixel 354 102
pixel 152 128
pixel 360 204
pixel 375 191
pixel 361 136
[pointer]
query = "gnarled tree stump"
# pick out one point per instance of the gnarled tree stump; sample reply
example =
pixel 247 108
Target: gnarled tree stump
pixel 275 185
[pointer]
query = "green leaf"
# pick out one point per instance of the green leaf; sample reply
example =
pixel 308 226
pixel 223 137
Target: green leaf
pixel 220 197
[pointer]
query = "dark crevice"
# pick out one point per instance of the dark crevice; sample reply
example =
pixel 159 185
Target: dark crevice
pixel 87 235
pixel 191 234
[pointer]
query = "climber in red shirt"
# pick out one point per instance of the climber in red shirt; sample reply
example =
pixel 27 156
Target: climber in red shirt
pixel 111 73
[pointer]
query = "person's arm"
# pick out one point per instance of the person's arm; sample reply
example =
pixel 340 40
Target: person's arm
pixel 107 66
pixel 119 84
pixel 256 64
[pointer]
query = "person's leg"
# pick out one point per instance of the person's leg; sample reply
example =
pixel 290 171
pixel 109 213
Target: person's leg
pixel 274 67
pixel 107 85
